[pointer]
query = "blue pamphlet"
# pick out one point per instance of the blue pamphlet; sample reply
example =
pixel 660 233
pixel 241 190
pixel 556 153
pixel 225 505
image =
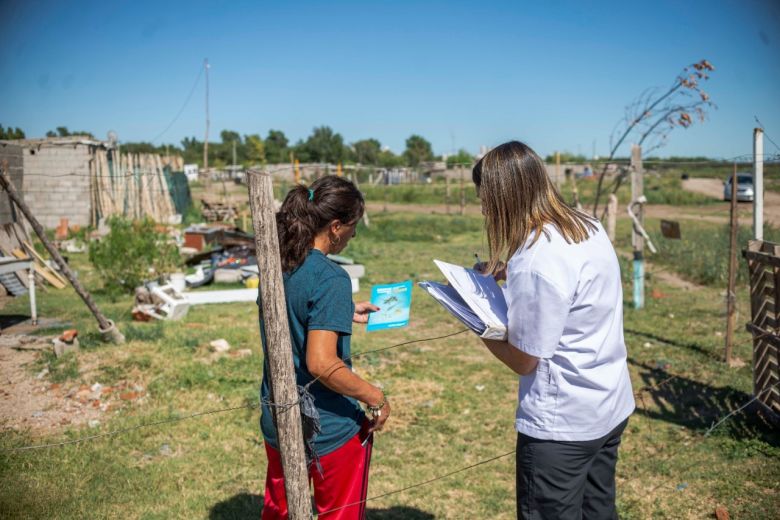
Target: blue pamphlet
pixel 394 301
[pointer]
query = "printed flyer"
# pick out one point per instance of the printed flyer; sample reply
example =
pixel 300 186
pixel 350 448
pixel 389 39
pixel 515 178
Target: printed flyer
pixel 394 301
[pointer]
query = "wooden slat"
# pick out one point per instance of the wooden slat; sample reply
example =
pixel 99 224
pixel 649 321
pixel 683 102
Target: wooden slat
pixel 42 271
pixel 32 252
pixel 762 258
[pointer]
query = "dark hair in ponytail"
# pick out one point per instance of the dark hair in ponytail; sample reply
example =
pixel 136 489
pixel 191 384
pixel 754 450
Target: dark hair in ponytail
pixel 307 210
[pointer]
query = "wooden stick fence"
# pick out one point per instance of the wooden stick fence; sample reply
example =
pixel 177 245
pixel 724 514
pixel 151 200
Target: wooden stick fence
pixel 763 259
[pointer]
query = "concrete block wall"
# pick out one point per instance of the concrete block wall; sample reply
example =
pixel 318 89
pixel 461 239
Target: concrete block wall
pixel 13 154
pixel 57 183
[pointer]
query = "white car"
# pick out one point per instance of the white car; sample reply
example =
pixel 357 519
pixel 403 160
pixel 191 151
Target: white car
pixel 744 188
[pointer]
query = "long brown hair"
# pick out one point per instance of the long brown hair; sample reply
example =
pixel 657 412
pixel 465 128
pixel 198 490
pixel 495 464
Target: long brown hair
pixel 518 199
pixel 307 210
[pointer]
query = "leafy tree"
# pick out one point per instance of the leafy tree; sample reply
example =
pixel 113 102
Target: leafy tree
pixel 417 150
pixel 367 151
pixel 567 157
pixel 192 150
pixel 11 133
pixel 462 157
pixel 276 150
pixel 255 149
pixel 131 253
pixel 324 145
pixel 62 131
pixel 387 159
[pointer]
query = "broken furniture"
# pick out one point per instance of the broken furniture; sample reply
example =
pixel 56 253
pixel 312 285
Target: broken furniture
pixel 9 269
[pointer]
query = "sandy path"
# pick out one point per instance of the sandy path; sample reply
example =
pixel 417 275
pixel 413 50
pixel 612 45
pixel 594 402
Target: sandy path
pixel 714 188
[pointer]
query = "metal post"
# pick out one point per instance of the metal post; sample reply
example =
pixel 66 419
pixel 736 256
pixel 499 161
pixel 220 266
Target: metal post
pixel 31 290
pixel 279 346
pixel 637 240
pixel 758 184
pixel 731 292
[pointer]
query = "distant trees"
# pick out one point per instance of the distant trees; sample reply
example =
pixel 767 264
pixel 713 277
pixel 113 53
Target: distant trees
pixel 276 150
pixel 323 145
pixel 462 157
pixel 367 151
pixel 62 131
pixel 417 150
pixel 11 133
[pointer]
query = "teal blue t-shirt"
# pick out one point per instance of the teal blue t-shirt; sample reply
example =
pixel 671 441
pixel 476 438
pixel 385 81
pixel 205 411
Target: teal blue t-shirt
pixel 319 297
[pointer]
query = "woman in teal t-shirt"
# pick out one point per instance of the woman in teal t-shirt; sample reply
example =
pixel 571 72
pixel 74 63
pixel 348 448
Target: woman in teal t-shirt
pixel 314 222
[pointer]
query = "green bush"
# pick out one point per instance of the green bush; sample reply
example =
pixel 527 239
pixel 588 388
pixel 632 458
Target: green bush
pixel 131 253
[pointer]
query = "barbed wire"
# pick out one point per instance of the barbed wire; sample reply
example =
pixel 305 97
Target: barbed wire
pixel 725 163
pixel 497 457
pixel 223 410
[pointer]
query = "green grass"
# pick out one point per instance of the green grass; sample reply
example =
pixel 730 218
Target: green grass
pixel 214 466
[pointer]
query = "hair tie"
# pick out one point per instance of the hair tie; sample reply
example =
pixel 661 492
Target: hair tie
pixel 311 194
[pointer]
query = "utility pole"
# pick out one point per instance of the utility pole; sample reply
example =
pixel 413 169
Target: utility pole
pixel 287 418
pixel 637 240
pixel 731 295
pixel 758 184
pixel 107 328
pixel 208 122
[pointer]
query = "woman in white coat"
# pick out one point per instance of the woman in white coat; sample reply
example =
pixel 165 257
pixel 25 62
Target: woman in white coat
pixel 565 337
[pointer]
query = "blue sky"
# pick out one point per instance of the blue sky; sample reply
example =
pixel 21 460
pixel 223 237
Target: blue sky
pixel 555 74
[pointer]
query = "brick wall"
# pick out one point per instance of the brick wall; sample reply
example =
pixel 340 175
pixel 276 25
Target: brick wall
pixel 56 183
pixel 13 154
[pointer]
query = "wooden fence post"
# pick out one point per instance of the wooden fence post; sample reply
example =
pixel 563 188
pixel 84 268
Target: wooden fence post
pixel 279 346
pixel 462 192
pixel 612 209
pixel 447 191
pixel 731 296
pixel 107 328
pixel 637 240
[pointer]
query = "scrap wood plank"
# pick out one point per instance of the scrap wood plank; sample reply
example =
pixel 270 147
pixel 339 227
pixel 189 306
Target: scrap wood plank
pixel 31 250
pixel 43 271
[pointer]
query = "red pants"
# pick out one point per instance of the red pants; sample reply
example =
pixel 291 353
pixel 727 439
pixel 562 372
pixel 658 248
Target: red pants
pixel 344 481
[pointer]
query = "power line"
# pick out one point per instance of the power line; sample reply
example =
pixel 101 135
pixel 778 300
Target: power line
pixel 181 110
pixel 766 134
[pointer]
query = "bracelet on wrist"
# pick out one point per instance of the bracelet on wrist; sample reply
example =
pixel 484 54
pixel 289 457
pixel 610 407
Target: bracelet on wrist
pixel 376 411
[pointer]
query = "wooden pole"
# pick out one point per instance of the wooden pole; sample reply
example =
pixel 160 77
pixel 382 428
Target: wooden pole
pixel 279 346
pixel 208 122
pixel 107 327
pixel 462 192
pixel 758 184
pixel 637 240
pixel 731 292
pixel 447 192
pixel 612 209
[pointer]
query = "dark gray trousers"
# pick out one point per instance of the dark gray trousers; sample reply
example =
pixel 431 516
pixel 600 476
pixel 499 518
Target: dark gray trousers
pixel 567 480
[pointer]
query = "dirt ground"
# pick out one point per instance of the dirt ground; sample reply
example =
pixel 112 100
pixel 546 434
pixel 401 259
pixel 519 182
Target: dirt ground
pixel 29 401
pixel 714 188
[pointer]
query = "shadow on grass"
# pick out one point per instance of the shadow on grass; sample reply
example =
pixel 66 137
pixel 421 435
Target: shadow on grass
pixel 248 506
pixel 697 406
pixel 690 345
